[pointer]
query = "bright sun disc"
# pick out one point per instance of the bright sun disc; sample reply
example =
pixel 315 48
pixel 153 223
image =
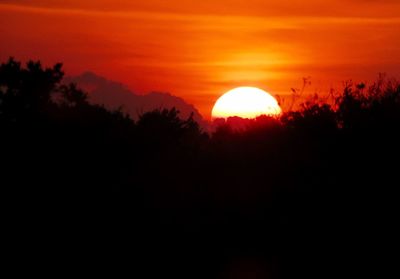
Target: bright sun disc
pixel 245 102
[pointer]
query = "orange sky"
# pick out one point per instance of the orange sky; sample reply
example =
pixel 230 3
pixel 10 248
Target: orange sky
pixel 200 49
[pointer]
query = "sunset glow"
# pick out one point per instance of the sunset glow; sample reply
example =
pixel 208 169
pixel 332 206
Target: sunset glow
pixel 197 49
pixel 232 139
pixel 246 102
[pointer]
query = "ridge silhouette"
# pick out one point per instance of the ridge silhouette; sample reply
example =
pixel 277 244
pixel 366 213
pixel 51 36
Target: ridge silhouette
pixel 112 95
pixel 310 194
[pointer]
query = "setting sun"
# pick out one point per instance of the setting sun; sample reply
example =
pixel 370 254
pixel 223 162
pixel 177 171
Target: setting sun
pixel 245 102
pixel 235 138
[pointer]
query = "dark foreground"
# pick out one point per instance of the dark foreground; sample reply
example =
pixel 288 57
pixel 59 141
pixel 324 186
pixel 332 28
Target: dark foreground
pixel 88 191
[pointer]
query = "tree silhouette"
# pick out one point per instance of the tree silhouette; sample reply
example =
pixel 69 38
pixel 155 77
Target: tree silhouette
pixel 311 193
pixel 73 96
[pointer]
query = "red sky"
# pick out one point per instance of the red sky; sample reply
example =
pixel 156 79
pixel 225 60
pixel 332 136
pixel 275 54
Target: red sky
pixel 200 49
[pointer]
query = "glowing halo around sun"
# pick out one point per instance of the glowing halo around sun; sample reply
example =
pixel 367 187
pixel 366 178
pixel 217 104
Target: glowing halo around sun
pixel 246 102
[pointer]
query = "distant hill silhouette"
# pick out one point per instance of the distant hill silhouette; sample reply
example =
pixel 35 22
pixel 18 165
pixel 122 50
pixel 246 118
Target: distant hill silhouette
pixel 311 194
pixel 114 95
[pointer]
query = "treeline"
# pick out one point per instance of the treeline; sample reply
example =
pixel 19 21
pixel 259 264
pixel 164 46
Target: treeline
pixel 311 193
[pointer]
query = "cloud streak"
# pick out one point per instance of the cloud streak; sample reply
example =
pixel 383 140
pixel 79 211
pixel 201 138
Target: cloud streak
pixel 197 50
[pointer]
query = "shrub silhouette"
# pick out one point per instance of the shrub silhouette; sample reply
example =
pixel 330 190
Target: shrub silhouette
pixel 302 193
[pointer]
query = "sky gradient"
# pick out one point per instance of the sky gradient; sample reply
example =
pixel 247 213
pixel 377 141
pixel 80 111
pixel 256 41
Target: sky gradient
pixel 200 49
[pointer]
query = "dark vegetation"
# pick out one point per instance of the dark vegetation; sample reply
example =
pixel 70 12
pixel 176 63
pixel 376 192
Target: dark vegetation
pixel 90 191
pixel 113 95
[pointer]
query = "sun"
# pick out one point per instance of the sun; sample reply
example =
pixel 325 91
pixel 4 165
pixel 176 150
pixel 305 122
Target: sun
pixel 246 102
